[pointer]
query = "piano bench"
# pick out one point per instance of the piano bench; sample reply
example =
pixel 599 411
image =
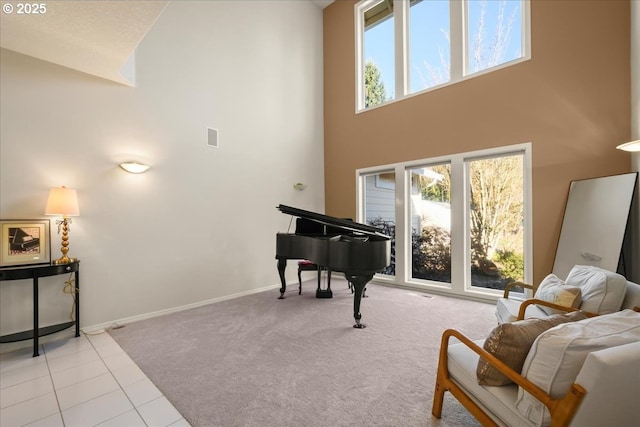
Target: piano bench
pixel 311 266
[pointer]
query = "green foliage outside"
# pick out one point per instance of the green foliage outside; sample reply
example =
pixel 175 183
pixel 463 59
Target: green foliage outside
pixel 431 258
pixel 431 254
pixel 374 91
pixel 511 264
pixel 439 191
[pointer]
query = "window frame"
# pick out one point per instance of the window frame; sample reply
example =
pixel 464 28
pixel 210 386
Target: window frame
pixel 460 228
pixel 459 72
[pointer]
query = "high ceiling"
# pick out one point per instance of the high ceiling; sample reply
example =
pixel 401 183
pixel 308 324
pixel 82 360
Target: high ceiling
pixel 95 37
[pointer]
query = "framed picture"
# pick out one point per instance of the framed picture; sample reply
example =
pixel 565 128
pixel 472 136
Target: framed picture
pixel 24 242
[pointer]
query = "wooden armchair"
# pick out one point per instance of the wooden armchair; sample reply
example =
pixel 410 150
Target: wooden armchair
pixel 562 410
pixel 581 372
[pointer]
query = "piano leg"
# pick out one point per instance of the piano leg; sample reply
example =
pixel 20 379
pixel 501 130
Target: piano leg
pixel 364 292
pixel 359 283
pixel 282 265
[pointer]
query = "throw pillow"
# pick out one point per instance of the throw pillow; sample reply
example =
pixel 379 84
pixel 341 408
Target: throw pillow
pixel 510 343
pixel 602 291
pixel 554 290
pixel 557 356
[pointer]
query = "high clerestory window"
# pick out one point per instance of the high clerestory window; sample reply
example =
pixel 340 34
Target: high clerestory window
pixel 404 47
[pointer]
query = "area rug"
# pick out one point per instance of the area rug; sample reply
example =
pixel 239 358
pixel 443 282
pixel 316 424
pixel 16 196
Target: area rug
pixel 260 361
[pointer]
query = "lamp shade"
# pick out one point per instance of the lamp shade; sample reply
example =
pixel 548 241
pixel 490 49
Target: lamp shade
pixel 630 146
pixel 62 201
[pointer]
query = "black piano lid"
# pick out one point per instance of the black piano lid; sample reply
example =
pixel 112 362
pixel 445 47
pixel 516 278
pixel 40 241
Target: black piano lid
pixel 332 221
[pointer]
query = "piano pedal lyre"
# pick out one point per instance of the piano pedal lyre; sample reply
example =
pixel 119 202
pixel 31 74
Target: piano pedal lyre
pixel 324 293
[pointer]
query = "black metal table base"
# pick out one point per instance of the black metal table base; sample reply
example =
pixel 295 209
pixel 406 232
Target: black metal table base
pixel 34 273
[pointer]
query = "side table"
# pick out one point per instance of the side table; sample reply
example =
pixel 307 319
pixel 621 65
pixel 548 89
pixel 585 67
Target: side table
pixel 35 272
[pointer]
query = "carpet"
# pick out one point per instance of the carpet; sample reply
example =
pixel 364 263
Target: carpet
pixel 260 361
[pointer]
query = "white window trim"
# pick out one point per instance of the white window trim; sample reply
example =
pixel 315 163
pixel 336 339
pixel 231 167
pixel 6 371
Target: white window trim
pixel 459 45
pixel 460 240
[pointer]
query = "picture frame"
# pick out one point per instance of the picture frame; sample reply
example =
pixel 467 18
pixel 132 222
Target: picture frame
pixel 25 242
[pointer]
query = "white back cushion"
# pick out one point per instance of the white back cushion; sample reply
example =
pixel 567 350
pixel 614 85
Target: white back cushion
pixel 602 290
pixel 554 290
pixel 557 355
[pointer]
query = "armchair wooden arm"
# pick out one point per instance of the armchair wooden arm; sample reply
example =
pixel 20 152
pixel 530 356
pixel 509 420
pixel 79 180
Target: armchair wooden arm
pixel 528 302
pixel 522 285
pixel 561 410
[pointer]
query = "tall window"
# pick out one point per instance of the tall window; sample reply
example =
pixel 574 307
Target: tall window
pixel 407 46
pixel 496 220
pixel 430 200
pixel 458 223
pixel 379 207
pixel 379 75
pixel 429 44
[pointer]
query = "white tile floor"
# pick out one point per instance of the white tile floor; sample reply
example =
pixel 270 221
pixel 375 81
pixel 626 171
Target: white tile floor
pixel 84 381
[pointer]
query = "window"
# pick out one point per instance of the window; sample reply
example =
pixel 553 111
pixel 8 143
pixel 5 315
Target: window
pixel 409 46
pixel 459 223
pixel 429 44
pixel 379 76
pixel 430 201
pixel 379 207
pixel 496 220
pixel 494 35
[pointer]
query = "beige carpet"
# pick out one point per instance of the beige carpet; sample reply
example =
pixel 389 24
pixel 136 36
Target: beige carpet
pixel 260 361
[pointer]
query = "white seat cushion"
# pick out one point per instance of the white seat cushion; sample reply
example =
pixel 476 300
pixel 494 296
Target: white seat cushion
pixel 507 310
pixel 602 291
pixel 557 355
pixel 498 402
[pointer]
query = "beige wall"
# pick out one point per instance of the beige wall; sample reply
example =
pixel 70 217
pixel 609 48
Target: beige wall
pixel 571 101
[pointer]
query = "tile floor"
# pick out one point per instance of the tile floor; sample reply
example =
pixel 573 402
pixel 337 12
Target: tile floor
pixel 84 381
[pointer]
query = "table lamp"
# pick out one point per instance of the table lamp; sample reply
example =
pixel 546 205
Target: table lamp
pixel 63 201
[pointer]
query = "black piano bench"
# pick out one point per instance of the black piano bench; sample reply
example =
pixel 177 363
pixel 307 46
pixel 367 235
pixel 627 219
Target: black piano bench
pixel 311 266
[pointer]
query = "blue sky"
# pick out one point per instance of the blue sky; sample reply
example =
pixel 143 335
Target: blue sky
pixel 428 39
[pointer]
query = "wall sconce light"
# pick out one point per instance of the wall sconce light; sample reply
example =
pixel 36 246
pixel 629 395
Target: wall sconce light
pixel 632 146
pixel 63 201
pixel 299 186
pixel 134 167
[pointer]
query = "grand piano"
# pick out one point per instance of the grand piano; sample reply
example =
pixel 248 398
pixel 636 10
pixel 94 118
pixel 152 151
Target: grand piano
pixel 357 250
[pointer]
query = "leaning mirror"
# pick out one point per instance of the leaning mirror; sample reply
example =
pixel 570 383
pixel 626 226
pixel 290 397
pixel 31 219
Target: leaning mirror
pixel 594 223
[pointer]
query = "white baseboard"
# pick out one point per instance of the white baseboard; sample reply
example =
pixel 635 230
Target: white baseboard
pixel 102 327
pixel 121 322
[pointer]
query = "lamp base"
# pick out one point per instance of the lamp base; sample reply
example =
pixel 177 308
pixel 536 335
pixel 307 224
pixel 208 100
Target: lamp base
pixel 64 260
